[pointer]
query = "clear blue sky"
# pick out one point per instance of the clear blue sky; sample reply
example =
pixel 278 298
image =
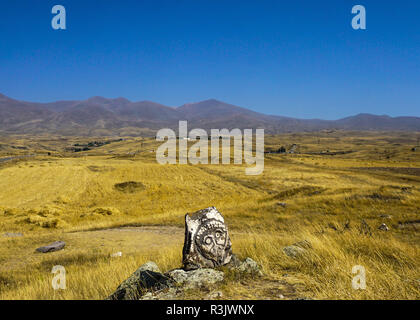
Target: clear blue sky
pixel 294 58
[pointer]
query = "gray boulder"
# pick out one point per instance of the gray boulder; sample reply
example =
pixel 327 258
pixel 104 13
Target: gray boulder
pixel 195 278
pixel 55 246
pixel 147 278
pixel 297 249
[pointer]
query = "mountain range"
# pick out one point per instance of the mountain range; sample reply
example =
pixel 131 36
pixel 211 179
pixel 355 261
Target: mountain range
pixel 101 116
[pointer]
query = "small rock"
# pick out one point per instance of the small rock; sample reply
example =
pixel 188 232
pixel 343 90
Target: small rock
pixel 13 235
pixel 281 296
pixel 195 278
pixel 297 249
pixel 293 251
pixel 55 246
pixel 249 266
pixel 282 204
pixel 383 227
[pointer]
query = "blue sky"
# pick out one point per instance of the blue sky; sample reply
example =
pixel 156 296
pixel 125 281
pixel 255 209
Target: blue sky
pixel 293 58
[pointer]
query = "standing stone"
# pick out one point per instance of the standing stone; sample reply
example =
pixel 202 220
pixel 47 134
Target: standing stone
pixel 207 243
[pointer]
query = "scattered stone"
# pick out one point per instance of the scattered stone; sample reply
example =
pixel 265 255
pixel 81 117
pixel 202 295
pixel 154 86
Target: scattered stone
pixel 281 296
pixel 195 278
pixel 13 235
pixel 144 279
pixel 383 227
pixel 207 243
pixel 297 249
pixel 293 251
pixel 282 204
pixel 55 246
pixel 249 266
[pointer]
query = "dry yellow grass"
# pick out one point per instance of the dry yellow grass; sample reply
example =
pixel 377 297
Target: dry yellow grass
pixel 61 195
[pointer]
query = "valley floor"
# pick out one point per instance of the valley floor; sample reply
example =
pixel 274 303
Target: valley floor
pixel 334 191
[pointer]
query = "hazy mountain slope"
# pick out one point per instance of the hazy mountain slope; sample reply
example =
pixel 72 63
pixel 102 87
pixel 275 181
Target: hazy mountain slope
pixel 14 112
pixel 373 122
pixel 214 109
pixel 147 110
pixel 103 116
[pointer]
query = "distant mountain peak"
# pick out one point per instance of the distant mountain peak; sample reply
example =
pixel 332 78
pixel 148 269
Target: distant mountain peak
pixel 119 116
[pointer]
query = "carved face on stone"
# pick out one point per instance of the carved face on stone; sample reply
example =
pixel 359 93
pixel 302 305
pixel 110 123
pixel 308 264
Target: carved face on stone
pixel 207 242
pixel 211 239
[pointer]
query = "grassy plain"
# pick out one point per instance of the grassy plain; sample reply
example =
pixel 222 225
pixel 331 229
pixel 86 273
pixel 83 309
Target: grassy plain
pixel 117 198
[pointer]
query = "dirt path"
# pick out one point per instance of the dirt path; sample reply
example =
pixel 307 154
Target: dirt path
pixel 128 239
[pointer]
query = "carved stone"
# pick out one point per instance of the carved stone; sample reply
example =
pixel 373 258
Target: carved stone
pixel 207 243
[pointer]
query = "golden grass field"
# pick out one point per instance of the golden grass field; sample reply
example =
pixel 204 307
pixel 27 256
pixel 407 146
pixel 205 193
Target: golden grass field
pixel 117 198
